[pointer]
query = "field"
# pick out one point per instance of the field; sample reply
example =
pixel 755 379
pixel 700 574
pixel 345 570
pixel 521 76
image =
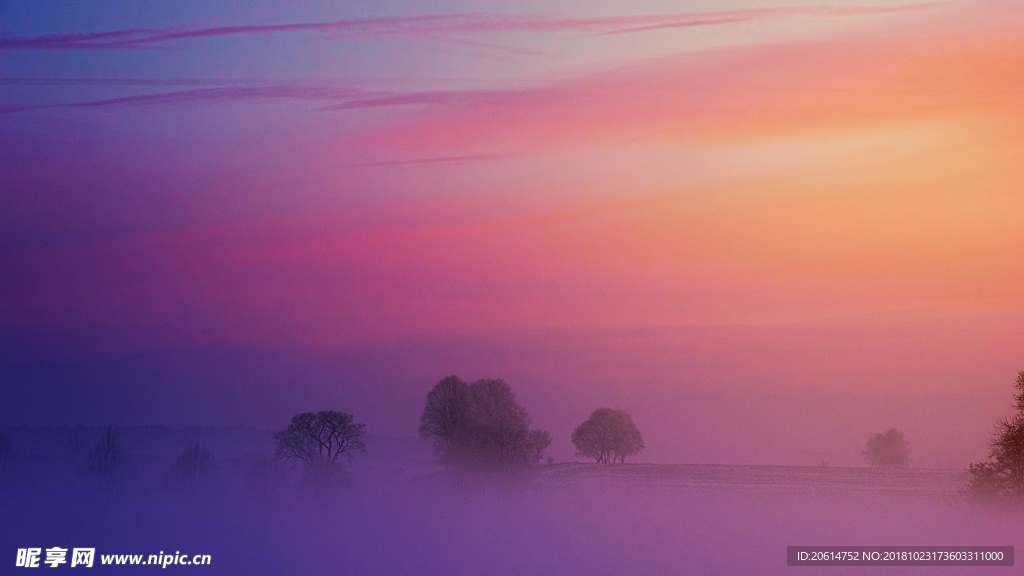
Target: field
pixel 405 515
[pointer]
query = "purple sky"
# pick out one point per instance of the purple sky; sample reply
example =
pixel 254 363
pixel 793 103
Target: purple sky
pixel 766 229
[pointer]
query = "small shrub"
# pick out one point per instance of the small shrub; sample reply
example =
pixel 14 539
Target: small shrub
pixel 106 464
pixel 193 472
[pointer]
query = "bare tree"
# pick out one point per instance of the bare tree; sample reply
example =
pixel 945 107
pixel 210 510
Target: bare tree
pixel 608 436
pixel 1007 453
pixel 887 449
pixel 319 440
pixel 494 404
pixel 446 417
pixel 481 425
pixel 541 440
pixel 631 442
pixel 500 426
pixel 106 463
pixel 594 438
pixel 1003 475
pixel 193 471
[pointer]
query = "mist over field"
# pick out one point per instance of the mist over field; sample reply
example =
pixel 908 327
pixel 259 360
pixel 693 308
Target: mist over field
pixel 397 511
pixel 792 394
pixel 722 277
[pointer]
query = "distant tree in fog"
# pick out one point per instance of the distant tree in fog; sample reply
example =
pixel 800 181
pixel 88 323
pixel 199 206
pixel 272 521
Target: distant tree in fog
pixel 887 449
pixel 1003 475
pixel 446 417
pixel 8 459
pixel 106 463
pixel 319 440
pixel 541 441
pixel 608 436
pixel 262 475
pixel 193 471
pixel 481 425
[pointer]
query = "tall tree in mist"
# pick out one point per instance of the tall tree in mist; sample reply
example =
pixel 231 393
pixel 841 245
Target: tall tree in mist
pixel 193 471
pixel 541 441
pixel 106 463
pixel 481 425
pixel 319 440
pixel 1003 475
pixel 446 417
pixel 608 436
pixel 887 449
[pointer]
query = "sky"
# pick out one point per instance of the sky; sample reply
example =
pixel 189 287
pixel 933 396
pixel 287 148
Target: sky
pixel 767 229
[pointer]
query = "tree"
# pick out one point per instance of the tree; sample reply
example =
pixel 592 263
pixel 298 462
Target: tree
pixel 263 476
pixel 887 449
pixel 1003 475
pixel 319 439
pixel 499 434
pixel 608 436
pixel 446 417
pixel 193 471
pixel 481 425
pixel 541 440
pixel 106 463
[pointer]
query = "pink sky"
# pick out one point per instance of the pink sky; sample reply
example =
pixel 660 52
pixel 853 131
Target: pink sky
pixel 838 190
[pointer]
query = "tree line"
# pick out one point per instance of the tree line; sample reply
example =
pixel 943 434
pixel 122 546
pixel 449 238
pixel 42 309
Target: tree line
pixel 481 425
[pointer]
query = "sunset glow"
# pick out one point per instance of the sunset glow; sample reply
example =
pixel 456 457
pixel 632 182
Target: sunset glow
pixel 767 208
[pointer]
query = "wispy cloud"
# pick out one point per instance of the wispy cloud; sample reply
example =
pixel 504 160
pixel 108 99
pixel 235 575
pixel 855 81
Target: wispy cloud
pixel 743 92
pixel 434 25
pixel 737 16
pixel 438 160
pixel 211 94
pixel 339 97
pixel 64 81
pixel 419 98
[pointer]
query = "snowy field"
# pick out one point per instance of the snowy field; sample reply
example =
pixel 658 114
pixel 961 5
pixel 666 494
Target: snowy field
pixel 405 515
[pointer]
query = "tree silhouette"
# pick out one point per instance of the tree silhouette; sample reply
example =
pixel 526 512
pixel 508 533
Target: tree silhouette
pixel 499 435
pixel 106 463
pixel 193 471
pixel 446 417
pixel 887 449
pixel 481 425
pixel 541 440
pixel 318 440
pixel 1003 475
pixel 608 436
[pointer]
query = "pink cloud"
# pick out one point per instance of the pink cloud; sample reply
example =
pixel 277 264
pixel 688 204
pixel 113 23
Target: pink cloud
pixel 928 68
pixel 432 25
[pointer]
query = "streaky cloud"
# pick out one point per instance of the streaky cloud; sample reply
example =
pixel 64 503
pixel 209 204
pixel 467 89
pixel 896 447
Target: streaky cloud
pixel 438 160
pixel 82 81
pixel 439 24
pixel 342 98
pixel 214 94
pixel 419 98
pixel 737 16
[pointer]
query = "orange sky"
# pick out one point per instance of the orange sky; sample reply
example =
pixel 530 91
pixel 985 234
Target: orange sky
pixel 855 170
